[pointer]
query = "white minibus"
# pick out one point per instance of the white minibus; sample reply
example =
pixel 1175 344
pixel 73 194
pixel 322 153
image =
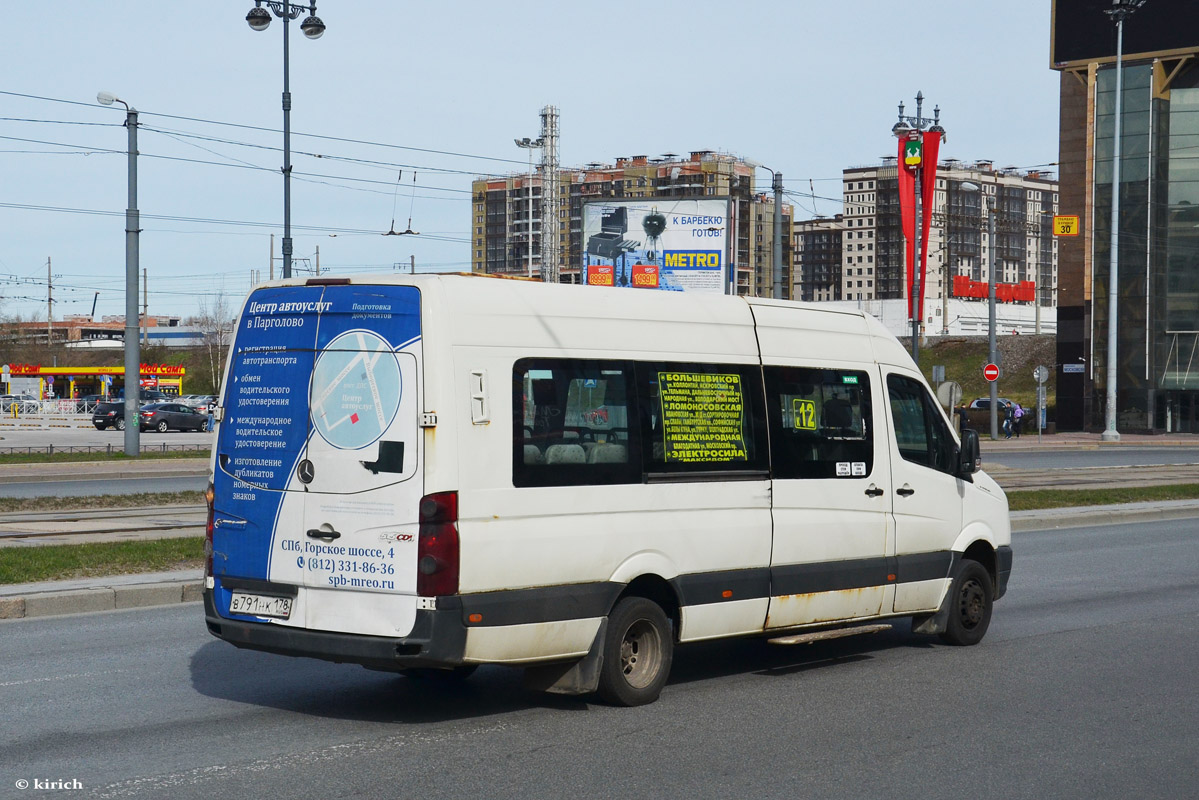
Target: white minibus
pixel 429 473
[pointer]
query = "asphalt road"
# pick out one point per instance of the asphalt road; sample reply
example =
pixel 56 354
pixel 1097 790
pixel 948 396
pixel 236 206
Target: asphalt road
pixel 1083 688
pixel 1103 457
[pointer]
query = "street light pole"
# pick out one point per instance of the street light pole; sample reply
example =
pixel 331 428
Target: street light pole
pixel 777 251
pixel 1119 12
pixel 530 145
pixel 992 348
pixel 132 229
pixel 313 28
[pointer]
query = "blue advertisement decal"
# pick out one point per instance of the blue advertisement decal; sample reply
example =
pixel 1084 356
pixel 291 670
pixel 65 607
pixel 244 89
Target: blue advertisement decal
pixel 307 360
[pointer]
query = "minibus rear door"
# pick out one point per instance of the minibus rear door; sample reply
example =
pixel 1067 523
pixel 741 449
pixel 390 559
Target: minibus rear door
pixel 361 466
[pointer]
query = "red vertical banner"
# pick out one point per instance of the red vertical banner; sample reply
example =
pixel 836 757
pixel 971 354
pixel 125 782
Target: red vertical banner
pixel 907 215
pixel 928 191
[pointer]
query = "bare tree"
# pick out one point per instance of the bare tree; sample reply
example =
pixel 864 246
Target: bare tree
pixel 215 321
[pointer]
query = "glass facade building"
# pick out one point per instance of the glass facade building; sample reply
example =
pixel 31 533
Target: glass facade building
pixel 1157 330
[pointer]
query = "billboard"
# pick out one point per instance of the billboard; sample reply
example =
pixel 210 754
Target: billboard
pixel 670 244
pixel 1082 32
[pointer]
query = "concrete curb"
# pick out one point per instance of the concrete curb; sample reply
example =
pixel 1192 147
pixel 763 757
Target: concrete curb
pixel 1080 516
pixel 55 598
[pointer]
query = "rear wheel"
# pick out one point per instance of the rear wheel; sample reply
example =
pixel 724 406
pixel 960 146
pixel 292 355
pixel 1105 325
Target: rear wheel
pixel 100 427
pixel 970 603
pixel 161 426
pixel 121 424
pixel 638 650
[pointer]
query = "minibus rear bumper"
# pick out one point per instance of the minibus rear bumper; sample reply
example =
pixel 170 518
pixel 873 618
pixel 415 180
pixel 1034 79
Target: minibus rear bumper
pixel 438 639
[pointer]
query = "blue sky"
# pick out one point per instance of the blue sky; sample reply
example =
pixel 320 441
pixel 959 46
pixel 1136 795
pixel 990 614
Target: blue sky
pixel 808 88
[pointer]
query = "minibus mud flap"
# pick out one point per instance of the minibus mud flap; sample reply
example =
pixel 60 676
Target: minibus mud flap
pixel 934 623
pixel 938 622
pixel 571 677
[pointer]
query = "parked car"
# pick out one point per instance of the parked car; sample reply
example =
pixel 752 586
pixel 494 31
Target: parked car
pixel 162 417
pixel 109 414
pixel 21 403
pixel 149 396
pixel 87 402
pixel 200 402
pixel 985 402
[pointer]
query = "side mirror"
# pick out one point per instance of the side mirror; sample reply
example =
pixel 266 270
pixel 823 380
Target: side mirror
pixel 969 459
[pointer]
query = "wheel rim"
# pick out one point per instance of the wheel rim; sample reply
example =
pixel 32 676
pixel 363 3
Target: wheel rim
pixel 641 654
pixel 972 604
pixel 162 427
pixel 121 425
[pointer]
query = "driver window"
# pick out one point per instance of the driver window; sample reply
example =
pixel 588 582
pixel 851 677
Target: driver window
pixel 920 432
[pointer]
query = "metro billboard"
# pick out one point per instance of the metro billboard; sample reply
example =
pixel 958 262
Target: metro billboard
pixel 670 244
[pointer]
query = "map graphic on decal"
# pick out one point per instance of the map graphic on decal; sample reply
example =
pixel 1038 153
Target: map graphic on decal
pixel 355 390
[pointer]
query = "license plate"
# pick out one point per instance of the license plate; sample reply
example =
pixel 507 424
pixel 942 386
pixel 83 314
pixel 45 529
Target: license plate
pixel 260 605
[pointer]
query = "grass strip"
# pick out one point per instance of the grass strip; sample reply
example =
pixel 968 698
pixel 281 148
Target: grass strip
pixel 43 457
pixel 1037 499
pixel 69 561
pixel 88 502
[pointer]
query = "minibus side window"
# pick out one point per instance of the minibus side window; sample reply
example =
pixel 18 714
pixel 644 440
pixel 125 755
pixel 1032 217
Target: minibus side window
pixel 921 434
pixel 570 423
pixel 819 422
pixel 701 418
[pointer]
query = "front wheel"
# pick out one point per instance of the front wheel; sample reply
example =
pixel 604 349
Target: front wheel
pixel 970 601
pixel 161 426
pixel 638 650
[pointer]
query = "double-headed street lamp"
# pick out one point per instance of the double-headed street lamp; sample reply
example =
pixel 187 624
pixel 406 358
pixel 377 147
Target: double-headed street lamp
pixel 911 130
pixel 259 19
pixel 530 144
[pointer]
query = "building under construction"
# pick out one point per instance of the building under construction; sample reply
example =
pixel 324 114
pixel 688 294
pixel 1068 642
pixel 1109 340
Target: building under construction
pixel 504 244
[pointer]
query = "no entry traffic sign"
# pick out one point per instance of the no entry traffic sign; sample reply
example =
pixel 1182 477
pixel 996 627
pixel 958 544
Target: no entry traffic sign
pixel 991 372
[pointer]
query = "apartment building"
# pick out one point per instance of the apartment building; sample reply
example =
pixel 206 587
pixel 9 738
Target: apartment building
pixel 873 252
pixel 817 246
pixel 503 242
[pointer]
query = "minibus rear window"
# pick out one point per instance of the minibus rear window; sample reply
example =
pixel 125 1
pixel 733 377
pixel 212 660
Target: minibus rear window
pixel 571 423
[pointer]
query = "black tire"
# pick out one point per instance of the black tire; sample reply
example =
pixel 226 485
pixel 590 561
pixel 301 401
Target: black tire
pixel 161 427
pixel 100 427
pixel 121 424
pixel 638 650
pixel 971 598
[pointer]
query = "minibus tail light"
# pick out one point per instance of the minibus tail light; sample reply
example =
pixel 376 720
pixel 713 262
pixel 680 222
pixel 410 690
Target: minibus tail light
pixel 437 545
pixel 209 496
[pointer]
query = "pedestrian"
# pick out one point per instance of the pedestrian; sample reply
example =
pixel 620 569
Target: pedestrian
pixel 1017 419
pixel 1007 421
